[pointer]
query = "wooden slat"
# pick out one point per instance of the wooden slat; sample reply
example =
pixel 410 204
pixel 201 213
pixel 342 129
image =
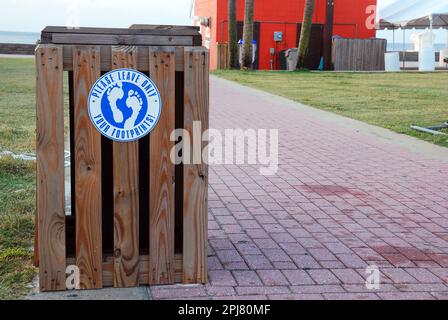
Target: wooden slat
pixel 136 29
pixel 144 262
pixel 126 195
pixel 110 39
pixel 165 29
pixel 222 56
pixel 179 59
pixel 196 104
pixel 86 66
pixel 106 58
pixel 161 191
pixel 50 167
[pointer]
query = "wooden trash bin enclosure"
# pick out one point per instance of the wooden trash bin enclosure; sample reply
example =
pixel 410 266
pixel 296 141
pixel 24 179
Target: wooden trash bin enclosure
pixel 136 217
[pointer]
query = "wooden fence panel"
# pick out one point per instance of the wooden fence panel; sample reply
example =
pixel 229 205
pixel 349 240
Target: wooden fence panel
pixel 161 191
pixel 222 56
pixel 50 167
pixel 86 70
pixel 126 193
pixel 359 54
pixel 196 101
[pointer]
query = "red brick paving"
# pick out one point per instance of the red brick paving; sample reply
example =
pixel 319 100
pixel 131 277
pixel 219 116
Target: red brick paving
pixel 341 201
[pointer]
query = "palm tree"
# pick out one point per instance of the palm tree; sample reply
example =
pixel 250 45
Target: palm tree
pixel 248 35
pixel 305 34
pixel 232 45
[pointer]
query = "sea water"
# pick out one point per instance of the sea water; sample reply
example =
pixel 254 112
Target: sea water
pixel 410 47
pixel 19 37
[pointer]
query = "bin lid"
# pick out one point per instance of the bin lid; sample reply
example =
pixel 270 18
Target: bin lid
pixel 155 35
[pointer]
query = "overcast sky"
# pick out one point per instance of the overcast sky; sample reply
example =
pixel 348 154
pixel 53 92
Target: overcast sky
pixel 34 15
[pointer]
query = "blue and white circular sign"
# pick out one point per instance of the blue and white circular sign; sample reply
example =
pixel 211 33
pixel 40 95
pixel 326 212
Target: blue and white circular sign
pixel 124 105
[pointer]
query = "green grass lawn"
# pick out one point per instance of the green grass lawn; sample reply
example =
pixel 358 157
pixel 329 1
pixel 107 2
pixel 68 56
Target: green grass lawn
pixel 390 100
pixel 17 178
pixel 17 105
pixel 17 203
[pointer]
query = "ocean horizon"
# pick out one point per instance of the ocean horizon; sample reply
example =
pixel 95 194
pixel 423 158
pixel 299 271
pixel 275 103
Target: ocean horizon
pixel 19 37
pixel 410 46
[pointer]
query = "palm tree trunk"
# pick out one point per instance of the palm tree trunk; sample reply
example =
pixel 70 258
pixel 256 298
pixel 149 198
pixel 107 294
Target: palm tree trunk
pixel 232 44
pixel 248 34
pixel 306 33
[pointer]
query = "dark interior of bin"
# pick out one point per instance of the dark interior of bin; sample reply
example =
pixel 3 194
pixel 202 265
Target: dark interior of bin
pixel 107 184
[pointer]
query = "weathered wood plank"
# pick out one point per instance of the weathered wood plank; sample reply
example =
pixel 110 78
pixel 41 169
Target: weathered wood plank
pixel 135 29
pixel 110 39
pixel 161 191
pixel 222 56
pixel 179 58
pixel 106 58
pixel 168 29
pixel 126 194
pixel 196 108
pixel 144 262
pixel 86 66
pixel 50 167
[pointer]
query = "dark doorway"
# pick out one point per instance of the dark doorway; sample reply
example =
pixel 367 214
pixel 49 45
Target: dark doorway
pixel 256 38
pixel 315 51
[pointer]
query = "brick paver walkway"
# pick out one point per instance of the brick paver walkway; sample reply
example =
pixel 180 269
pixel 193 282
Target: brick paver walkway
pixel 341 201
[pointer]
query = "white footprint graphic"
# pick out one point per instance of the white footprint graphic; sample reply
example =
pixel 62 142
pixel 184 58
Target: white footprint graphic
pixel 113 95
pixel 135 102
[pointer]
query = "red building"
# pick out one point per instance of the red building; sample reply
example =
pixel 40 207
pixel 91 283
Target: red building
pixel 351 19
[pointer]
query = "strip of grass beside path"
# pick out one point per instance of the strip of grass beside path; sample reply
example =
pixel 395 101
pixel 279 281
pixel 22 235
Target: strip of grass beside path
pixel 17 178
pixel 390 100
pixel 18 104
pixel 17 203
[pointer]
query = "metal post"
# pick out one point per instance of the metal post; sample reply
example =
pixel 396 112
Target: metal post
pixel 446 46
pixel 404 48
pixel 430 29
pixel 393 41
